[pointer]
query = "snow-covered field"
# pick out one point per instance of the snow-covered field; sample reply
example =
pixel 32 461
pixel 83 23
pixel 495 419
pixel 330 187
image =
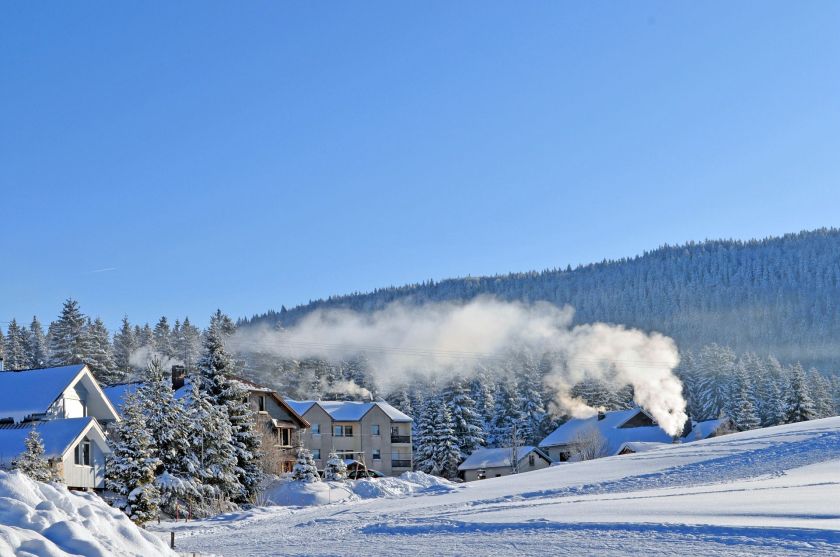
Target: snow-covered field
pixel 768 492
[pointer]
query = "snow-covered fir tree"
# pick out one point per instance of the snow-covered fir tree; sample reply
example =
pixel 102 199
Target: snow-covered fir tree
pixel 819 387
pixel 335 470
pixel 438 451
pixel 304 469
pixel 124 346
pixel 132 465
pixel 32 461
pixel 169 428
pixel 211 441
pixel 36 345
pixel 482 389
pixel 99 355
pixel 216 367
pixel 162 339
pixel 67 336
pixel 188 344
pixel 17 356
pixel 507 414
pixel 467 425
pixel 535 418
pixel 799 406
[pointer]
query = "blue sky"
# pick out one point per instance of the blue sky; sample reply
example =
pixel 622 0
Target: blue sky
pixel 245 155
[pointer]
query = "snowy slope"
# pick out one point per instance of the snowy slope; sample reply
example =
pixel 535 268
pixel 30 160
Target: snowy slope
pixel 768 492
pixel 42 520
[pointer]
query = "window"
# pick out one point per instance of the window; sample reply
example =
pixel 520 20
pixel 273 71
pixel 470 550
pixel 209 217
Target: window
pixel 377 454
pixel 316 454
pixel 285 437
pixel 374 429
pixel 346 455
pixel 83 453
pixel 531 459
pixel 261 403
pixel 343 431
pixel 316 429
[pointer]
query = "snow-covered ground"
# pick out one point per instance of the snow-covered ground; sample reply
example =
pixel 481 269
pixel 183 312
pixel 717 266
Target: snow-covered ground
pixel 767 492
pixel 44 520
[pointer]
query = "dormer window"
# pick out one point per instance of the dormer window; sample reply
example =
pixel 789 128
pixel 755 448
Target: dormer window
pixel 83 453
pixel 261 403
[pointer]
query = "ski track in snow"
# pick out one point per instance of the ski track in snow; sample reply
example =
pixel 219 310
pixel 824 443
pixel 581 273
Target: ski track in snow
pixel 461 522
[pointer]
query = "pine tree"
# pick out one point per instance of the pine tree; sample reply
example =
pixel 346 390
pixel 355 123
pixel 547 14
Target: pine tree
pixel 467 424
pixel 132 465
pixel 335 469
pixel 124 345
pixel 799 407
pixel 169 428
pixel 211 440
pixel 99 357
pixel 188 344
pixel 447 455
pixel 162 339
pixel 16 352
pixel 482 392
pixel 216 367
pixel 424 435
pixel 820 388
pixel 67 336
pixel 716 364
pixel 507 414
pixel 32 461
pixel 304 469
pixel 37 344
pixel 535 417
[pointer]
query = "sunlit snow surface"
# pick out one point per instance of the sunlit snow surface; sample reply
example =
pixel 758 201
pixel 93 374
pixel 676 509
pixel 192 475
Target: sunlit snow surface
pixel 768 492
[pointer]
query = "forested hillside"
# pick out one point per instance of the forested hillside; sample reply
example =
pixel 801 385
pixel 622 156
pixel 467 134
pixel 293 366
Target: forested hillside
pixel 772 296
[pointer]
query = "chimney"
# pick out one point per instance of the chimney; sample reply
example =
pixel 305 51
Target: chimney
pixel 601 415
pixel 179 373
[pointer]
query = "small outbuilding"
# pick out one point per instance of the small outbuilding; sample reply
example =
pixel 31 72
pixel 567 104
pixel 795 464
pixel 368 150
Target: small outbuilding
pixel 496 462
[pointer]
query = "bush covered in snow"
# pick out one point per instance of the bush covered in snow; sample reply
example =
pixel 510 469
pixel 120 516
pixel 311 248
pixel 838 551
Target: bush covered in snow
pixel 47 519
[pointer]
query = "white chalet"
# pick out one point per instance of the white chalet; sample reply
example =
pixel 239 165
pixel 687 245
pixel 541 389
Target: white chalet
pixel 68 409
pixel 496 462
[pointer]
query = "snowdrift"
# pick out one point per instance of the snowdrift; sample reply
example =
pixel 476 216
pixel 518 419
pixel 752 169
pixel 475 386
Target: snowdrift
pixel 47 520
pixel 290 493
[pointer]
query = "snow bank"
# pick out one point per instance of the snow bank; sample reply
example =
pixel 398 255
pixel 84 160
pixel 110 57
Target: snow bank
pixel 299 494
pixel 48 520
pixel 290 493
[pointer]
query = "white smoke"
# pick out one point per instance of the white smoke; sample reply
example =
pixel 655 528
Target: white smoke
pixel 446 338
pixel 142 357
pixel 346 387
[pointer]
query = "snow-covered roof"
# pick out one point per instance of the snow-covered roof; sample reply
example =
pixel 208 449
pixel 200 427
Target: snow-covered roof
pixel 57 435
pixel 348 410
pixel 496 458
pixel 117 393
pixel 32 391
pixel 610 428
pixel 641 446
pixel 702 430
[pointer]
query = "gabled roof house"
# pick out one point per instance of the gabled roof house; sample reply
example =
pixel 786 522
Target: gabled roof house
pixel 495 462
pixel 68 409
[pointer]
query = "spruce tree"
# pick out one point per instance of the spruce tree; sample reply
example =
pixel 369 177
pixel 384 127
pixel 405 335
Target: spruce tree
pixel 188 344
pixel 447 455
pixel 211 442
pixel 124 344
pixel 16 352
pixel 216 367
pixel 467 424
pixel 424 435
pixel 820 388
pixel 162 339
pixel 507 414
pixel 132 464
pixel 335 469
pixel 304 469
pixel 37 345
pixel 800 406
pixel 99 357
pixel 32 461
pixel 67 336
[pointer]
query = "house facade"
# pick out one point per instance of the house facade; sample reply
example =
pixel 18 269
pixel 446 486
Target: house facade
pixel 374 433
pixel 71 413
pixel 496 462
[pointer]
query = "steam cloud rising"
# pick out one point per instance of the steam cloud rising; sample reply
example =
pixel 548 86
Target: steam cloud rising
pixel 447 338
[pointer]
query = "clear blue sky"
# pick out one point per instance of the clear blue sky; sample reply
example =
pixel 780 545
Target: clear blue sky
pixel 245 155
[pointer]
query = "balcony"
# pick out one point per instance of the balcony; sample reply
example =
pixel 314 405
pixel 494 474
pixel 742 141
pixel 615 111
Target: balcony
pixel 400 438
pixel 400 463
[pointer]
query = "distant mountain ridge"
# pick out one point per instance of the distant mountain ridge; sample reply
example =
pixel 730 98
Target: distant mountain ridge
pixel 776 295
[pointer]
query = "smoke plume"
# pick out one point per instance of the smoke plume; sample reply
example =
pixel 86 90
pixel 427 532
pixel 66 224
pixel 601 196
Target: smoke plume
pixel 443 339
